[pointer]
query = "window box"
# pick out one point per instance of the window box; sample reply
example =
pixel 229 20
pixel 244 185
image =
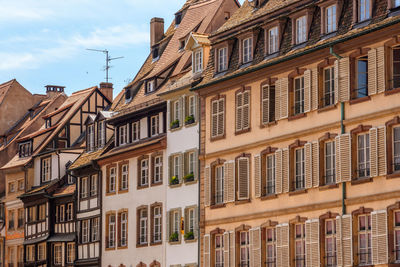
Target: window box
pixel 188 120
pixel 189 236
pixel 174 124
pixel 189 177
pixel 174 237
pixel 174 180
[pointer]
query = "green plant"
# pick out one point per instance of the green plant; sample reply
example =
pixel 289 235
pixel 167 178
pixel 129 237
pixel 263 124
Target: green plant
pixel 189 235
pixel 174 237
pixel 174 124
pixel 189 119
pixel 174 180
pixel 189 177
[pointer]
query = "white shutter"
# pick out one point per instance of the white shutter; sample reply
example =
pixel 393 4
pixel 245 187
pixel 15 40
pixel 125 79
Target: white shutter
pixel 284 97
pixel 278 171
pixel 207 186
pixel 344 157
pixel 255 249
pixel 282 245
pixel 239 111
pixel 314 89
pixel 372 72
pixel 315 163
pixel 312 243
pixel 278 100
pixel 243 178
pixel 381 145
pixel 336 70
pixel 373 151
pixel 307 90
pixel 265 104
pixel 226 249
pixel 308 164
pixel 285 170
pixel 229 181
pixel 381 72
pixel 207 257
pixel 379 237
pixel 344 79
pixel 232 244
pixel 214 118
pixel 257 176
pixel 344 241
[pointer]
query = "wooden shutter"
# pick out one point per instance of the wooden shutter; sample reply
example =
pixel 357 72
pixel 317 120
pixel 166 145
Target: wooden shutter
pixel 255 249
pixel 232 244
pixel 168 226
pixel 182 111
pixel 265 104
pixel 196 222
pixel 315 164
pixel 344 79
pixel 344 157
pixel 339 248
pixel 229 181
pixel 312 243
pixel 381 147
pixel 181 170
pixel 308 164
pixel 239 111
pixel 314 89
pixel 169 114
pixel 180 225
pixel 207 186
pixel 278 100
pixel 337 160
pixel 196 164
pixel 379 237
pixel 226 249
pixel 214 118
pixel 285 170
pixel 257 176
pixel 344 244
pixel 372 74
pixel 246 110
pixel 284 97
pixel 207 257
pixel 243 178
pixel 221 116
pixel 185 163
pixel 282 245
pixel 196 106
pixel 307 90
pixel 373 151
pixel 186 220
pixel 381 72
pixel 278 171
pixel 336 85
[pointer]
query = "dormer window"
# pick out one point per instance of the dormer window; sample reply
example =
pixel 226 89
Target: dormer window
pixel 222 59
pixel 150 86
pixel 155 53
pixel 247 50
pixel 273 41
pixel 330 16
pixel 122 135
pixel 178 19
pixel 182 44
pixel 25 149
pixel 301 30
pixel 101 130
pixel 90 137
pixel 198 61
pixel 364 10
pixel 48 123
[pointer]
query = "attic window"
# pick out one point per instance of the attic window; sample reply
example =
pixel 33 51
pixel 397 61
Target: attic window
pixel 25 149
pixel 128 94
pixel 178 19
pixel 48 123
pixel 150 86
pixel 155 53
pixel 182 44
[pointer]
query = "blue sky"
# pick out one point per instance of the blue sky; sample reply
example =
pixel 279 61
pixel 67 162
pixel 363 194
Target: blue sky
pixel 44 41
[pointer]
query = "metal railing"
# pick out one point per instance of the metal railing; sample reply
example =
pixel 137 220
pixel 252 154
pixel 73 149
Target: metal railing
pixel 363 173
pixel 360 92
pixel 328 99
pixel 329 179
pixel 298 108
pixel 269 190
pixel 298 183
pixel 218 199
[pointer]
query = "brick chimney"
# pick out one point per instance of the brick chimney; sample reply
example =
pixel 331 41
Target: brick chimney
pixel 54 90
pixel 107 90
pixel 156 30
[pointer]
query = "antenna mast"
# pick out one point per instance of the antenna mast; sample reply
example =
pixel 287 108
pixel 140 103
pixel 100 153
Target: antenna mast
pixel 108 60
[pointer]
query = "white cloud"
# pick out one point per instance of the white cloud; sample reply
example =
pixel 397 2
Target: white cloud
pixel 17 61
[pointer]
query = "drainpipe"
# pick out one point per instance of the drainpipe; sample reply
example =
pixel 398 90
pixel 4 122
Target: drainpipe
pixel 342 128
pixel 198 184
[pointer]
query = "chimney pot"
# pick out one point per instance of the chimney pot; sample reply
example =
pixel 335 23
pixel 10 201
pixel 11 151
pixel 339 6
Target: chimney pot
pixel 53 90
pixel 156 30
pixel 107 90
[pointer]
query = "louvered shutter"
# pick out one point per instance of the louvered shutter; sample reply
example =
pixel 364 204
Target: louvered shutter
pixel 185 164
pixel 257 176
pixel 243 178
pixel 336 85
pixel 214 118
pixel 315 164
pixel 239 111
pixel 339 247
pixel 221 116
pixel 344 244
pixel 229 181
pixel 381 145
pixel 207 186
pixel 344 157
pixel 246 110
pixel 207 257
pixel 373 151
pixel 182 111
pixel 226 249
pixel 314 89
pixel 282 245
pixel 265 104
pixel 379 237
pixel 196 106
pixel 196 164
pixel 255 249
pixel 344 79
pixel 196 222
pixel 308 164
pixel 307 90
pixel 171 166
pixel 168 226
pixel 285 170
pixel 181 168
pixel 186 219
pixel 381 73
pixel 180 226
pixel 337 160
pixel 169 112
pixel 278 100
pixel 372 74
pixel 232 244
pixel 284 96
pixel 278 171
pixel 312 243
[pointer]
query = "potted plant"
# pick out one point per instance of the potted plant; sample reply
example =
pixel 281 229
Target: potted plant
pixel 174 237
pixel 174 124
pixel 189 236
pixel 189 119
pixel 189 177
pixel 174 180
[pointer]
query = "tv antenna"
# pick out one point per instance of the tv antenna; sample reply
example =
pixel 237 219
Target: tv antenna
pixel 108 60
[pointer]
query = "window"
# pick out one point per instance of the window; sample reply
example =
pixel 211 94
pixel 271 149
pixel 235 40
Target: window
pixel 192 162
pixel 11 256
pixel 111 231
pixel 85 231
pixel 30 253
pixel 25 149
pixel 20 252
pixel 244 249
pixel 192 105
pixel 242 110
pixel 150 86
pixel 157 224
pixel 91 137
pixel 93 185
pixel 135 131
pixel 198 61
pixel 20 218
pixel 158 169
pixel 154 121
pixel 270 239
pixel 42 251
pixel 217 118
pixel 364 239
pixel 101 129
pixel 273 40
pixel 48 123
pixel 124 229
pixel 21 185
pixel 364 10
pixel 144 172
pixel 95 229
pixel 191 220
pixel 57 254
pixel 143 226
pixel 396 67
pixel 70 212
pixel 270 175
pixel 11 187
pixel 329 86
pixel 330 14
pixel 176 166
pixel 219 251
pixel 122 135
pixel 299 182
pixel 176 114
pixel 243 176
pixel 62 213
pixel 222 59
pixel 301 30
pixel 176 220
pixel 111 182
pixel 31 214
pixel 363 160
pixel 70 253
pixel 124 177
pixel 330 243
pixel 45 169
pixel 300 245
pixel 330 158
pixel 361 89
pixel 219 184
pixel 247 50
pixel 84 186
pixel 42 212
pixel 299 95
pixel 11 215
pixel 396 149
pixel 396 218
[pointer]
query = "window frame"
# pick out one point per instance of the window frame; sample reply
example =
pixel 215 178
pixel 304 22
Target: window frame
pixel 219 250
pixel 57 250
pixel 157 224
pixel 84 187
pixel 299 238
pixel 247 49
pixel 85 238
pixel 222 62
pixel 135 131
pixel 122 135
pixel 101 136
pixel 123 228
pixel 244 262
pixel 45 169
pixel 197 60
pixel 154 125
pixel 220 102
pixel 42 250
pixel 268 243
pixel 124 177
pixel 330 94
pixel 142 226
pixel 301 32
pixel 298 100
pixel 70 252
pixel 332 172
pixel 95 229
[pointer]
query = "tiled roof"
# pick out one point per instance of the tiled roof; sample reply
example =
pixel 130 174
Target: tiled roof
pixel 39 190
pixel 86 158
pixel 15 162
pixel 4 87
pixel 65 190
pixel 37 133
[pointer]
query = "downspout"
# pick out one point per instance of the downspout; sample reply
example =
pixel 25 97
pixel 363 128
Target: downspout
pixel 342 131
pixel 198 184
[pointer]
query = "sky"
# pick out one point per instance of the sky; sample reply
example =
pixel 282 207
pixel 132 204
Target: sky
pixel 44 42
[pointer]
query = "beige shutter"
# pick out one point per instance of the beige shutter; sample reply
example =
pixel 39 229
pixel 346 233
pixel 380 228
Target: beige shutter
pixel 181 168
pixel 339 248
pixel 207 257
pixel 314 89
pixel 312 243
pixel 282 245
pixel 196 222
pixel 239 111
pixel 381 73
pixel 373 151
pixel 196 164
pixel 308 164
pixel 169 112
pixel 243 178
pixel 285 170
pixel 257 176
pixel 214 118
pixel 226 249
pixel 344 244
pixel 265 104
pixel 278 171
pixel 255 249
pixel 372 75
pixel 168 226
pixel 344 157
pixel 284 97
pixel 182 111
pixel 232 244
pixel 196 106
pixel 307 90
pixel 246 110
pixel 180 226
pixel 207 186
pixel 379 237
pixel 336 85
pixel 337 160
pixel 344 79
pixel 315 164
pixel 229 181
pixel 382 151
pixel 278 100
pixel 221 116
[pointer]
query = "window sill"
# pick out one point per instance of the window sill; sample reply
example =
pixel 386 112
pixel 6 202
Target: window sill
pixel 156 243
pixel 174 242
pixel 212 139
pixel 109 249
pixel 191 182
pixel 157 184
pixel 175 129
pixel 361 180
pixel 142 245
pixel 393 175
pixel 393 91
pixel 298 192
pixel 327 108
pixel 327 187
pixel 242 131
pixel 175 185
pixel 359 100
pixel 243 201
pixel 124 247
pixel 191 240
pixel 267 197
pixel 191 124
pixel 298 116
pixel 110 194
pixel 139 187
pixel 218 206
pixel 124 191
pixel 269 124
